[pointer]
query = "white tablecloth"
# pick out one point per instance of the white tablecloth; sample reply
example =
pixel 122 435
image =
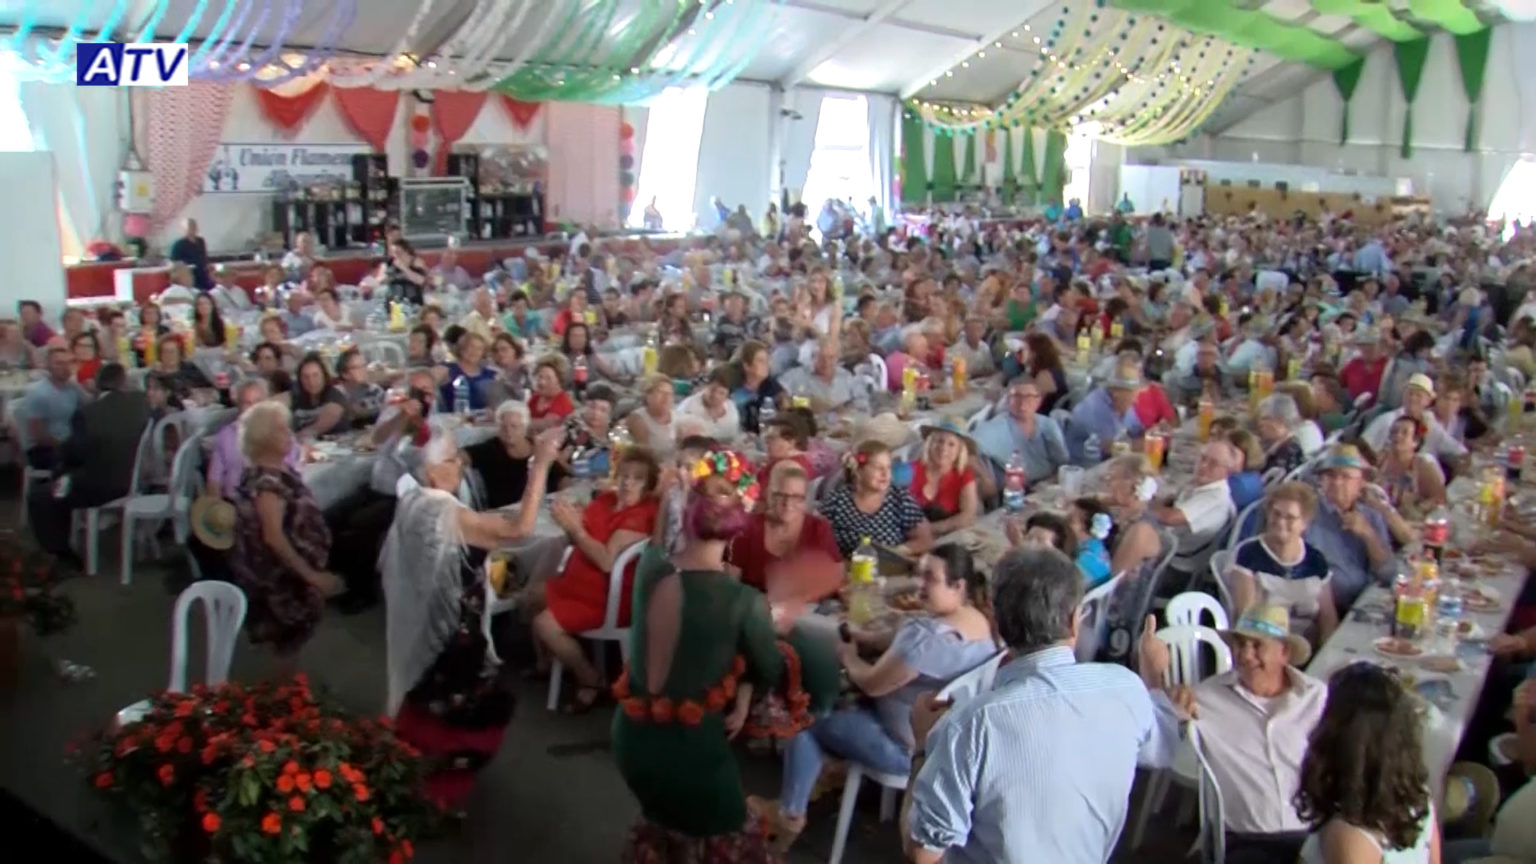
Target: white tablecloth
pixel 1354 640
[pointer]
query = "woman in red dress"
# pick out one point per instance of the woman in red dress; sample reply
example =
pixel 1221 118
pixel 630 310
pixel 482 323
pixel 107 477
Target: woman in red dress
pixel 943 481
pixel 783 528
pixel 577 599
pixel 549 404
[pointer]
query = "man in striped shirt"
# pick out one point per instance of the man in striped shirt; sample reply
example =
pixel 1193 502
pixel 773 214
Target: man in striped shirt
pixel 1039 768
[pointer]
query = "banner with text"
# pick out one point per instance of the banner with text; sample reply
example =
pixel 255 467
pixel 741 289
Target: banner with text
pixel 269 168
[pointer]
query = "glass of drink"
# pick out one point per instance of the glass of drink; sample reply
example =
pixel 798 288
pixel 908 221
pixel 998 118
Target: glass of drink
pixel 1154 445
pixel 1206 416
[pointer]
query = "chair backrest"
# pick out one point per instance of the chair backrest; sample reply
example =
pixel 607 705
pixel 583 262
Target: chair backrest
pixel 1191 607
pixel 383 351
pixel 978 680
pixel 975 420
pixel 146 448
pixel 1272 477
pixel 1184 648
pixel 1092 615
pixel 1221 562
pixel 184 482
pixel 616 583
pixel 882 374
pixel 1240 526
pixel 1213 817
pixel 223 612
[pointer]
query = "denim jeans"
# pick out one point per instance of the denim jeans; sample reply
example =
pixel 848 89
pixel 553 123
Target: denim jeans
pixel 852 733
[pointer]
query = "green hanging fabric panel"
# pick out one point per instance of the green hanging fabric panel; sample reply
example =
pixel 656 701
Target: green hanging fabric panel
pixel 1010 178
pixel 943 167
pixel 1410 71
pixel 968 173
pixel 1029 187
pixel 1345 78
pixel 1472 56
pixel 914 167
pixel 1053 177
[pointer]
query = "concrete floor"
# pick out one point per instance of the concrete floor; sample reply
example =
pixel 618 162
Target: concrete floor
pixel 552 794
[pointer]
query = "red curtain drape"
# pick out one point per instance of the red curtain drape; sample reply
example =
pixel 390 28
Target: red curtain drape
pixel 369 112
pixel 522 113
pixel 289 113
pixel 453 112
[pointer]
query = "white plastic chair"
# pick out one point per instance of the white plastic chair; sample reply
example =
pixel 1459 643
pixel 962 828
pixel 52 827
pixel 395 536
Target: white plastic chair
pixel 16 420
pixel 91 516
pixel 1212 842
pixel 978 680
pixel 1184 650
pixel 174 504
pixel 881 373
pixel 890 786
pixel 495 605
pixel 610 631
pixel 1188 609
pixel 383 351
pixel 1090 614
pixel 1235 534
pixel 975 420
pixel 1221 562
pixel 224 612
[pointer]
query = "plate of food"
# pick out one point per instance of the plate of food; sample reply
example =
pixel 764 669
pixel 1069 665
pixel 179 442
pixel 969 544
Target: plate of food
pixel 1480 598
pixel 1442 663
pixel 1393 646
pixel 906 601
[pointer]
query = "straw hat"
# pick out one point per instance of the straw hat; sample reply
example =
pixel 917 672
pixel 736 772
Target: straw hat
pixel 886 428
pixel 1345 456
pixel 213 521
pixel 1271 621
pixel 1127 376
pixel 1423 382
pixel 949 426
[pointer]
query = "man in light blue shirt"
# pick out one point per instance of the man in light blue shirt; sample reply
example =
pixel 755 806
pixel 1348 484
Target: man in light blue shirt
pixel 1039 767
pixel 1102 416
pixel 50 406
pixel 1350 530
pixel 1371 259
pixel 1035 437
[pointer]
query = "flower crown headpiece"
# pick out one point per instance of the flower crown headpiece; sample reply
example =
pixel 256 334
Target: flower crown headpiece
pixel 730 465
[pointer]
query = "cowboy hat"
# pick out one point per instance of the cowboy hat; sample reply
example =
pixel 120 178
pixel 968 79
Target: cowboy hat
pixel 948 426
pixel 213 521
pixel 1271 621
pixel 885 428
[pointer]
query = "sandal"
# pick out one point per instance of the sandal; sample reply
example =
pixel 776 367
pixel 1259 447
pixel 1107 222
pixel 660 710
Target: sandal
pixel 782 830
pixel 578 705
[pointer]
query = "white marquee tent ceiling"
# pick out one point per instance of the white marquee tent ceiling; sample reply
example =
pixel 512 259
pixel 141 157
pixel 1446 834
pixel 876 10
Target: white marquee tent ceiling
pixel 924 48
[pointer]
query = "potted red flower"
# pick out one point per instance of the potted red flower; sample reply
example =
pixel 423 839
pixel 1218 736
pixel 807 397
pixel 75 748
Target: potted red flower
pixel 262 773
pixel 28 596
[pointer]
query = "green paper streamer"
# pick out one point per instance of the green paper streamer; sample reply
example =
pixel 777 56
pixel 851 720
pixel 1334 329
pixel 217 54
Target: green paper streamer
pixel 1410 71
pixel 1251 28
pixel 943 180
pixel 1029 186
pixel 1472 57
pixel 1010 178
pixel 914 167
pixel 1053 179
pixel 1345 79
pixel 1374 16
pixel 968 173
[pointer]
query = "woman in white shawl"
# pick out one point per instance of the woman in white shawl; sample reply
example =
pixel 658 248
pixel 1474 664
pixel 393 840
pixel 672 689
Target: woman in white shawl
pixel 444 691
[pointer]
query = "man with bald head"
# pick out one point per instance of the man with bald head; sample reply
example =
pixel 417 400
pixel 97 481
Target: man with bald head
pixel 826 383
pixel 1199 514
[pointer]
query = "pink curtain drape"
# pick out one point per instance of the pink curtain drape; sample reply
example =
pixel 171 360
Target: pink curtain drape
pixel 583 163
pixel 182 130
pixel 368 112
pixel 453 112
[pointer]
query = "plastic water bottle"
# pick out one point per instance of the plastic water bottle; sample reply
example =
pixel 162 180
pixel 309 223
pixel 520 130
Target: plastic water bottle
pixel 765 414
pixel 461 395
pixel 1013 483
pixel 579 374
pixel 861 583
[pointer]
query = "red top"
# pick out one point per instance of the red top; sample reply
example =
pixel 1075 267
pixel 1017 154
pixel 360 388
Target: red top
pixel 749 551
pixel 578 597
pixel 948 496
pixel 86 373
pixel 539 407
pixel 1362 376
pixel 767 470
pixel 1152 407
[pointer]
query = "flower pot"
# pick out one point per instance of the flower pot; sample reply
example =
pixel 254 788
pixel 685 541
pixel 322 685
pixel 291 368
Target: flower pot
pixel 10 652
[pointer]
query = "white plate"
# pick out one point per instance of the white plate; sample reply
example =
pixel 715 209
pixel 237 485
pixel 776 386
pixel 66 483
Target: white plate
pixel 1492 600
pixel 1381 648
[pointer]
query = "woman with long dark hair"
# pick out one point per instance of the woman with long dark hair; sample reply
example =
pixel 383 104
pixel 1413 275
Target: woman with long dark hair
pixel 1364 788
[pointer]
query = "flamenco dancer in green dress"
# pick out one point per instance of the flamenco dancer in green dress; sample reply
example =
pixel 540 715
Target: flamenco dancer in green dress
pixel 701 643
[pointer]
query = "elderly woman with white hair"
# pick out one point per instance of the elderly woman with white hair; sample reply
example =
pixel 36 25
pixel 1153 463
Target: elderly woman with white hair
pixel 505 462
pixel 444 692
pixel 1278 420
pixel 281 540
